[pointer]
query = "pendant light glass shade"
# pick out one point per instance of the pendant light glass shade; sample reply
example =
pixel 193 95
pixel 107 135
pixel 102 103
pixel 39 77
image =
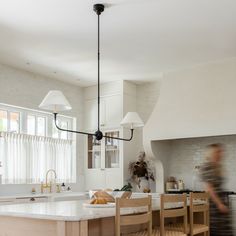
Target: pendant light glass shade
pixel 132 120
pixel 55 101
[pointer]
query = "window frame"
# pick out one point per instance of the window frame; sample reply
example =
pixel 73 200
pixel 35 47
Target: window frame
pixel 49 122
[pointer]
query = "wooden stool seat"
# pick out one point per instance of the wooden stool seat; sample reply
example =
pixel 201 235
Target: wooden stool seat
pixel 197 228
pixel 177 227
pixel 200 228
pixel 156 232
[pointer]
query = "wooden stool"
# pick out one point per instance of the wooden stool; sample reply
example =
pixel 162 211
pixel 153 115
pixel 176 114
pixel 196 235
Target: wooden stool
pixel 156 232
pixel 180 210
pixel 137 219
pixel 199 202
pixel 134 219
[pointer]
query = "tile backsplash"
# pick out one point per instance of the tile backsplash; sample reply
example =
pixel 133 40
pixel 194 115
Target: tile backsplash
pixel 187 153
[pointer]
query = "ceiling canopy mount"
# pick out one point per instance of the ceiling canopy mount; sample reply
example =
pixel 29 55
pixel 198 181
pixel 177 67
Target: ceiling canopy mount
pixel 98 8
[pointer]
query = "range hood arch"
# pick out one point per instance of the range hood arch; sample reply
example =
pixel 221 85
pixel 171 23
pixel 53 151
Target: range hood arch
pixel 196 102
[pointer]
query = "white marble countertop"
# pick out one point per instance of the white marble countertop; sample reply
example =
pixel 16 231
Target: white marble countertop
pixel 68 210
pixel 36 195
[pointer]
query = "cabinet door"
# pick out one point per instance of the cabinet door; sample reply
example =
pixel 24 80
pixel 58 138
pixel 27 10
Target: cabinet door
pixel 112 161
pixel 112 150
pixel 114 178
pixel 113 111
pixel 95 171
pixel 95 179
pixel 103 168
pixel 94 156
pixel 91 114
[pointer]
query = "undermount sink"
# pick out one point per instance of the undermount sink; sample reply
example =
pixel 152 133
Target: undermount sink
pixel 68 196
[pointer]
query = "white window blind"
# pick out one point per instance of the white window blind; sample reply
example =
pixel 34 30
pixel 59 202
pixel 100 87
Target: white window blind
pixel 26 158
pixel 30 144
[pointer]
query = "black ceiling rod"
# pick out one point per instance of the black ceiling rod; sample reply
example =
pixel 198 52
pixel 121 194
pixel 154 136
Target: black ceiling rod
pixel 98 8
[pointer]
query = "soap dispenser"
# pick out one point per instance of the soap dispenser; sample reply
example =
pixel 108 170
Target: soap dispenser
pixel 63 187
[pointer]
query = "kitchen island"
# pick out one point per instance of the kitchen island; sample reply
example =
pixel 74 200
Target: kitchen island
pixel 64 218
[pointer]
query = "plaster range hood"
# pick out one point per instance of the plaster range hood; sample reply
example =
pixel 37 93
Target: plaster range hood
pixel 197 102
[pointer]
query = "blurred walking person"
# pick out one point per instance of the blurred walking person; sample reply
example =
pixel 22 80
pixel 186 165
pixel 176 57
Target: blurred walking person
pixel 213 178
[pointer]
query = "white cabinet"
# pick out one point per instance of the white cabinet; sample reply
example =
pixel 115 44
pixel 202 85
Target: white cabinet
pixel 106 163
pixel 110 112
pixel 91 114
pixel 114 178
pixel 113 111
pixel 95 179
pixel 103 165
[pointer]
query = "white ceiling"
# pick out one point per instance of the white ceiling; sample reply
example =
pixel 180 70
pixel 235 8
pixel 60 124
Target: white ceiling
pixel 140 39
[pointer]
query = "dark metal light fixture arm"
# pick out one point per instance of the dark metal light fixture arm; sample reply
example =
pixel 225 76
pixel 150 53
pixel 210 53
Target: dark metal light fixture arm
pixel 122 139
pixel 68 130
pixel 93 134
pixel 98 8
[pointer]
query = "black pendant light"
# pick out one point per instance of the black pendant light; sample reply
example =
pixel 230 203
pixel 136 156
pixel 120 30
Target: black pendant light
pixel 56 101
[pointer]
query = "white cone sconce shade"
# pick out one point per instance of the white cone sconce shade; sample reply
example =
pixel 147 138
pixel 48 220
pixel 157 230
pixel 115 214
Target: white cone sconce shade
pixel 132 120
pixel 55 101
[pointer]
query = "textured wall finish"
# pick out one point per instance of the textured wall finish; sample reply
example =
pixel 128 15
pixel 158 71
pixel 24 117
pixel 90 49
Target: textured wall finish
pixel 147 96
pixel 21 88
pixel 194 102
pixel 187 153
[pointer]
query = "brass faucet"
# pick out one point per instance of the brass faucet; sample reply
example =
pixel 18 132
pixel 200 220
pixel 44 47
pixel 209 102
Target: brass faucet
pixel 48 185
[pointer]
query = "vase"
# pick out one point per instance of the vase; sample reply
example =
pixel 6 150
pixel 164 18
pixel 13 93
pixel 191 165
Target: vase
pixel 144 185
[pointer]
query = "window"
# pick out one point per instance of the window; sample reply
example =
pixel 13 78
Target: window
pixel 14 121
pixel 61 134
pixel 9 121
pixel 31 125
pixel 41 126
pixel 30 144
pixel 3 120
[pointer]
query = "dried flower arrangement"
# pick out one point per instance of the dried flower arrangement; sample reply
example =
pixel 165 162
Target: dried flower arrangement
pixel 141 168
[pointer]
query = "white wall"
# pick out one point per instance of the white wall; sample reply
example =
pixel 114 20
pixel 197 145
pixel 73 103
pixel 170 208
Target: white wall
pixel 21 88
pixel 185 154
pixel 193 102
pixel 147 95
pixel 146 98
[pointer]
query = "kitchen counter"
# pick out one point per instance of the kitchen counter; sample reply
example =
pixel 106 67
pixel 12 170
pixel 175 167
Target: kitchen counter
pixel 69 210
pixel 66 210
pixel 46 197
pixel 61 194
pixel 65 218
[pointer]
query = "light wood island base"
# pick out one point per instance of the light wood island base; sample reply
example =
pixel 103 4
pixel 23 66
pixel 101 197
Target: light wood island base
pixel 18 226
